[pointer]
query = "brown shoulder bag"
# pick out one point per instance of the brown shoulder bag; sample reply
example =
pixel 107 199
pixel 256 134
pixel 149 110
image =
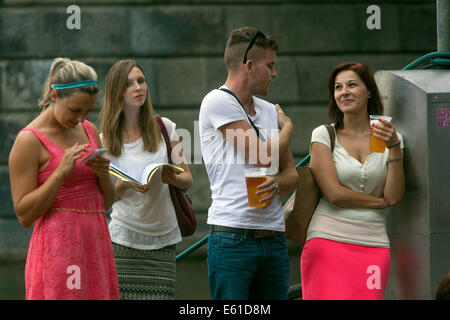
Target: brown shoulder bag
pixel 181 201
pixel 300 207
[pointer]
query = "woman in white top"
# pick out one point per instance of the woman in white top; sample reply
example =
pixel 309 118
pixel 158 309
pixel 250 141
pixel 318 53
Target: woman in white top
pixel 346 255
pixel 143 226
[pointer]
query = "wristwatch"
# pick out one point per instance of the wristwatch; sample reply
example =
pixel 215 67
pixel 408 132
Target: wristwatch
pixel 277 185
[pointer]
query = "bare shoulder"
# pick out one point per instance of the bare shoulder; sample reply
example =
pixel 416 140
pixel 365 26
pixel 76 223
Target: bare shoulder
pixel 27 145
pixel 27 139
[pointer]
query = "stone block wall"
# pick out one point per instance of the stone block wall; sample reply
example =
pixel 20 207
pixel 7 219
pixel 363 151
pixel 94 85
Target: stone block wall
pixel 180 44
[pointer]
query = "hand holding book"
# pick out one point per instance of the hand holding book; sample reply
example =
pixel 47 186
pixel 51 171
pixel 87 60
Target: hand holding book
pixel 123 185
pixel 168 176
pixel 147 174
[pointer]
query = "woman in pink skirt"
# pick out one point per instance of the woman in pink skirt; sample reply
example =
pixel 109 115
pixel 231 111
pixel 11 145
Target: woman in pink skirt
pixel 346 255
pixel 70 254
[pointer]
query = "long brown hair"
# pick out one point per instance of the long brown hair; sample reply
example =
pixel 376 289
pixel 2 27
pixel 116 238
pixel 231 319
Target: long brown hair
pixel 112 116
pixel 374 104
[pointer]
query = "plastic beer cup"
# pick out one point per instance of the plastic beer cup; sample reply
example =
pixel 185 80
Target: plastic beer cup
pixel 253 178
pixel 377 145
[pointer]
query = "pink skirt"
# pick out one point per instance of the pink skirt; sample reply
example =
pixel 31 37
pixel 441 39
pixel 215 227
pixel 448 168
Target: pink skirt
pixel 332 270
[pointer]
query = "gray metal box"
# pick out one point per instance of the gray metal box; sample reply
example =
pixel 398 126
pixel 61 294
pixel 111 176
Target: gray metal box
pixel 419 227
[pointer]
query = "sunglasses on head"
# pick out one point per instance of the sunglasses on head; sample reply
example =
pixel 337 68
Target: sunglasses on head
pixel 252 43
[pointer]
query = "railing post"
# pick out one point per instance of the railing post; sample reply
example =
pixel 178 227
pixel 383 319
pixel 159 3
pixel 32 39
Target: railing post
pixel 443 25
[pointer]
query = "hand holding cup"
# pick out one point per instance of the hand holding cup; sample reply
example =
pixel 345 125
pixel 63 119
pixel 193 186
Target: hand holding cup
pixel 382 133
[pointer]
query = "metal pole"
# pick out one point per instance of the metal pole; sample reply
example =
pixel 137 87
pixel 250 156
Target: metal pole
pixel 443 25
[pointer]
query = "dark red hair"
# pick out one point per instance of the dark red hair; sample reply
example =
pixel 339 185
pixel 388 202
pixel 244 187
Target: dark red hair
pixel 374 105
pixel 443 290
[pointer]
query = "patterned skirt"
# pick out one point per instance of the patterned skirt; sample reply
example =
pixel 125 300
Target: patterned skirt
pixel 145 274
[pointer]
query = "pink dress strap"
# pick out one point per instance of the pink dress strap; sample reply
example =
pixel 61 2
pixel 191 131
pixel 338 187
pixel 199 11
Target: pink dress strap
pixel 50 145
pixel 52 148
pixel 90 133
pixel 45 141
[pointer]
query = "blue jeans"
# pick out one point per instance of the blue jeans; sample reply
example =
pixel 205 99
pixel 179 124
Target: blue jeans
pixel 242 267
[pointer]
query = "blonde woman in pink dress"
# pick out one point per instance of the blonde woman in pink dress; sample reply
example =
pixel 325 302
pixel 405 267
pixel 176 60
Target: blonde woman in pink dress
pixel 70 254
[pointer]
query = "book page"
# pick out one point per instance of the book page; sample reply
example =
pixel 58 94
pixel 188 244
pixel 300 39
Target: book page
pixel 122 175
pixel 146 174
pixel 152 168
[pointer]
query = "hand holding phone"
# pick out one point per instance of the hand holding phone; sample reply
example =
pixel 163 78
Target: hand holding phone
pixel 94 155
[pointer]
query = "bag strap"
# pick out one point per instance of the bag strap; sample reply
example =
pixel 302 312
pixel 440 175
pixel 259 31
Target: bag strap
pixel 165 136
pixel 168 146
pixel 332 135
pixel 248 117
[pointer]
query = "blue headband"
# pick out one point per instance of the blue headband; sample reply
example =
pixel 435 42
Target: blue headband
pixel 74 84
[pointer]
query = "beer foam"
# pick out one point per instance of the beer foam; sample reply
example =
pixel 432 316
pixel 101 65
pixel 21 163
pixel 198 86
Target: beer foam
pixel 255 173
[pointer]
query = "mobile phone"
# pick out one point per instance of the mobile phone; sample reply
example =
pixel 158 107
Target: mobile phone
pixel 94 154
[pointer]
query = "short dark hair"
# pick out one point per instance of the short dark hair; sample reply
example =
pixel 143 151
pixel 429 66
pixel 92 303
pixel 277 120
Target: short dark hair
pixel 374 105
pixel 237 44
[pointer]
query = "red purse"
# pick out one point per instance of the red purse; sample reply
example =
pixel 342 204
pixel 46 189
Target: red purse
pixel 181 201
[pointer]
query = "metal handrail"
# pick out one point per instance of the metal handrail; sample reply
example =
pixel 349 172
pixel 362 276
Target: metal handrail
pixel 192 248
pixel 439 58
pixel 304 161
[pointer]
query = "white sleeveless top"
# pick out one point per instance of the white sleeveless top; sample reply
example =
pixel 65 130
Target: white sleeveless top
pixel 144 221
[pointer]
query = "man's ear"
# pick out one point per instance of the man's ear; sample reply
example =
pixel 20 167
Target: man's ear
pixel 250 65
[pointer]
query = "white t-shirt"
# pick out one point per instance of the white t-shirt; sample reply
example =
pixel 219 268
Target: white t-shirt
pixel 352 225
pixel 225 166
pixel 145 220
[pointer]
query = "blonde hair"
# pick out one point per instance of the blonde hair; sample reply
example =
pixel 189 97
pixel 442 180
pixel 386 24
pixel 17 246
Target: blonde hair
pixel 237 44
pixel 112 116
pixel 64 70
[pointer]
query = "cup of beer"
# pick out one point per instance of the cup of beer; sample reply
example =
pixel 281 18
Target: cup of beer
pixel 253 178
pixel 377 145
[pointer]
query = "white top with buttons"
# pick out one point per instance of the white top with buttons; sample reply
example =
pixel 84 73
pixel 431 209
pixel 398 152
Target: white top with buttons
pixel 358 226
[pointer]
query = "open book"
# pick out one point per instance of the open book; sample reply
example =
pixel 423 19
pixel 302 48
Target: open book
pixel 146 174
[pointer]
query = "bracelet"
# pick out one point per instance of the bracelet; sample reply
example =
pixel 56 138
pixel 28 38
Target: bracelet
pixel 394 159
pixel 277 186
pixel 394 145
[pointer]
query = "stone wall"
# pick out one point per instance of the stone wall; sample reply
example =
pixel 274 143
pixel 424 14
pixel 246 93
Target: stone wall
pixel 180 44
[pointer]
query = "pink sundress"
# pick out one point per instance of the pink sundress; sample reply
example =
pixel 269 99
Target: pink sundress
pixel 70 254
